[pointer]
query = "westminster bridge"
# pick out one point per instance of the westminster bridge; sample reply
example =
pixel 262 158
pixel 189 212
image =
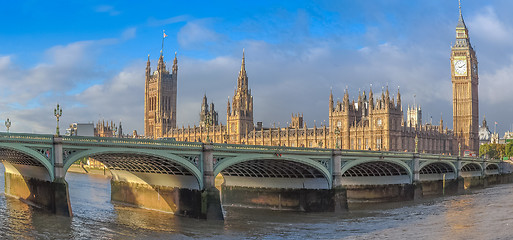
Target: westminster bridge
pixel 179 177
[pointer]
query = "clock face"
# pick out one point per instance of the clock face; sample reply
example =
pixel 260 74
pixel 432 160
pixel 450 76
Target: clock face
pixel 460 67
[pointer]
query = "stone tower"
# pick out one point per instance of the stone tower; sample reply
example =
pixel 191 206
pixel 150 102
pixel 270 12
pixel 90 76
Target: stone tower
pixel 160 98
pixel 240 115
pixel 414 116
pixel 208 116
pixel 465 89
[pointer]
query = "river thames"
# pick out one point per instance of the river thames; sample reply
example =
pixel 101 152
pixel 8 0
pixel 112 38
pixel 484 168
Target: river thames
pixel 481 214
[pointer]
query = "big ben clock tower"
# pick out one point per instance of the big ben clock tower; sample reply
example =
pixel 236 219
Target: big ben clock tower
pixel 465 89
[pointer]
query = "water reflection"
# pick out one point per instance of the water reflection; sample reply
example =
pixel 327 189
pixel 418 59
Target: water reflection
pixel 482 214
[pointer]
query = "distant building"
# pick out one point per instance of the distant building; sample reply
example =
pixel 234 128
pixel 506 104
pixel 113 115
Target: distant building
pixel 484 133
pixel 370 123
pixel 160 99
pixel 465 81
pixel 103 129
pixel 208 116
pixel 414 116
pixel 80 129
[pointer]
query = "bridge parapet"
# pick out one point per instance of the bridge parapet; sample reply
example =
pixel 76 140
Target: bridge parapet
pixel 129 141
pixel 26 137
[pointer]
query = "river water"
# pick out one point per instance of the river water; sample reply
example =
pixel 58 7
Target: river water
pixel 481 214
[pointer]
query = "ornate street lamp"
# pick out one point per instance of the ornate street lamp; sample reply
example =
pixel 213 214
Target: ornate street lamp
pixel 416 143
pixel 7 124
pixel 337 136
pixel 459 149
pixel 114 130
pixel 208 122
pixel 57 112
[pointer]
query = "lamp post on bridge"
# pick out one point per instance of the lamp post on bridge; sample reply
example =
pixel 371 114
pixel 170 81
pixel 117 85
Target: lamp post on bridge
pixel 114 130
pixel 416 143
pixel 7 124
pixel 337 137
pixel 57 112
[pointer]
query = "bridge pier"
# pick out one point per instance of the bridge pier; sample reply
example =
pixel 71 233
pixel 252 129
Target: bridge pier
pixel 26 183
pixel 210 198
pixel 339 191
pixel 33 183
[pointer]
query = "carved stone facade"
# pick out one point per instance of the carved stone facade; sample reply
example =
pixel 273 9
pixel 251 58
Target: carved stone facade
pixel 160 99
pixel 370 123
pixel 106 129
pixel 208 116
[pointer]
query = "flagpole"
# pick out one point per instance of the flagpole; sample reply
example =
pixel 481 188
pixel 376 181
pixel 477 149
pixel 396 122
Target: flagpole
pixel 163 36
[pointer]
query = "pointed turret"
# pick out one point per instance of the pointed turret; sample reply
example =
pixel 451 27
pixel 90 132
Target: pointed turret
pixel 331 101
pixel 441 123
pixel 399 105
pixel 175 65
pixel 371 98
pixel 242 82
pixel 461 22
pixel 346 100
pixel 462 38
pixel 204 105
pixel 161 66
pixel 228 107
pixel 359 98
pixel 148 68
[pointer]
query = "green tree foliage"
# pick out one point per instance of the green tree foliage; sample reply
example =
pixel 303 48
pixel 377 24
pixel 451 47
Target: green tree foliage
pixel 493 150
pixel 509 150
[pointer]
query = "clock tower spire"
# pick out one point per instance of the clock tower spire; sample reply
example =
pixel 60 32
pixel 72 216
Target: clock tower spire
pixel 465 82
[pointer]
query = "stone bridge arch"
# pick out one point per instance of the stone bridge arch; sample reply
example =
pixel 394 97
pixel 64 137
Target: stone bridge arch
pixel 471 169
pixel 144 162
pixel 32 160
pixel 433 171
pixel 277 171
pixel 492 169
pixel 376 172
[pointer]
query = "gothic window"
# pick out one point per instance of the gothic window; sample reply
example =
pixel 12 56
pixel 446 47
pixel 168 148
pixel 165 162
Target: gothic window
pixel 378 143
pixel 379 122
pixel 359 143
pixel 339 124
pixel 366 143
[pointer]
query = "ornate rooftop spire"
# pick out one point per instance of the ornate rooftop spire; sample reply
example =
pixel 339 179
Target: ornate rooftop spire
pixel 243 78
pixel 461 22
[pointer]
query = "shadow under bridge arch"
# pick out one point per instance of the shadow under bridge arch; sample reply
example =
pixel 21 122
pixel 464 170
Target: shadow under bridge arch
pixel 434 171
pixel 27 162
pixel 375 172
pixel 268 171
pixel 145 166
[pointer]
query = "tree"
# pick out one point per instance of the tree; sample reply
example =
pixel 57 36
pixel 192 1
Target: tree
pixel 509 149
pixel 493 150
pixel 484 150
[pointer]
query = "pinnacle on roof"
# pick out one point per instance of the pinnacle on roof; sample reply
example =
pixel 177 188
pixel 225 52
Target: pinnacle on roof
pixel 461 22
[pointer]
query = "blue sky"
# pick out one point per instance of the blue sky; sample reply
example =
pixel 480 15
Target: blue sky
pixel 90 56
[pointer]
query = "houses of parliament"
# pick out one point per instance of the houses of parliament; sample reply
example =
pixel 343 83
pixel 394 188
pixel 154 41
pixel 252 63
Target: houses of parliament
pixel 374 122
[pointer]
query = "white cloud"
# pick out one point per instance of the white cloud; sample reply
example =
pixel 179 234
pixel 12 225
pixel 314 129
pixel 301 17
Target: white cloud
pixel 129 33
pixel 196 34
pixel 107 9
pixel 487 26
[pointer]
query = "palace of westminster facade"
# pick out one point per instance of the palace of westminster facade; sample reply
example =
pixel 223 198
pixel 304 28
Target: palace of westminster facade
pixel 373 122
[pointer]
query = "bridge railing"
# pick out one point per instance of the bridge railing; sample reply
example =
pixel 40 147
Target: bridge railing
pixel 30 137
pixel 130 141
pixel 260 148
